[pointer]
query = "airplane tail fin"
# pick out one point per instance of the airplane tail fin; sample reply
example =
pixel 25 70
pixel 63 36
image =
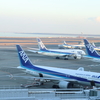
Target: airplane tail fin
pixel 64 42
pixel 24 60
pixel 90 49
pixel 41 45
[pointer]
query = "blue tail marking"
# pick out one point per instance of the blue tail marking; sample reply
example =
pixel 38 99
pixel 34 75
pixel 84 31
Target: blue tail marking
pixel 24 60
pixel 41 45
pixel 64 43
pixel 90 49
pixel 26 63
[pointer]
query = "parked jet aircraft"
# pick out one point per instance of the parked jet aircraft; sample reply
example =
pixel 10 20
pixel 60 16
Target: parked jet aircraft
pixel 65 45
pixel 95 47
pixel 77 54
pixel 92 53
pixel 65 77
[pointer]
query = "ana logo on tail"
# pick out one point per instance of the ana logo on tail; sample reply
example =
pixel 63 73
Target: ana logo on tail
pixel 90 47
pixel 24 56
pixel 41 44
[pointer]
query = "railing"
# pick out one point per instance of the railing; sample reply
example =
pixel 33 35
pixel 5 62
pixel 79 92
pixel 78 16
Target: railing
pixel 72 93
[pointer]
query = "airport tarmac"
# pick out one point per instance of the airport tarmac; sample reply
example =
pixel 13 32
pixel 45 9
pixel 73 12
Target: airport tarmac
pixel 10 76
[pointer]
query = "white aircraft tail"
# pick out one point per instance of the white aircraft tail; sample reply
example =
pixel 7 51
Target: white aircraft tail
pixel 41 45
pixel 65 42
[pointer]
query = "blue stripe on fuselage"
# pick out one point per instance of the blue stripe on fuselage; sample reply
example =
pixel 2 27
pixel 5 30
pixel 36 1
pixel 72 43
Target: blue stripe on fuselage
pixel 50 51
pixel 58 74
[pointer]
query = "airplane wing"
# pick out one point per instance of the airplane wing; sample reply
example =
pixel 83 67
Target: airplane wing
pixel 32 48
pixel 34 51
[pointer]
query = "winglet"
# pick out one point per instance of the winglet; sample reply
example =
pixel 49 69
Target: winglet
pixel 41 45
pixel 24 60
pixel 90 49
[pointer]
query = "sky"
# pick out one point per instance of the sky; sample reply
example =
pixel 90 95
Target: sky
pixel 50 16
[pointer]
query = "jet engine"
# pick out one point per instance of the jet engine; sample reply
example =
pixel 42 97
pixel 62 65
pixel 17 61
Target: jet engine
pixel 77 56
pixel 63 84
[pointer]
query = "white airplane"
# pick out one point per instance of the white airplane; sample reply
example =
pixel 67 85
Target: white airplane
pixel 65 77
pixel 77 54
pixel 92 53
pixel 68 46
pixel 95 47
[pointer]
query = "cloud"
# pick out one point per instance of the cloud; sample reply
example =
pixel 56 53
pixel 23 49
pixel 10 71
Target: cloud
pixel 98 19
pixel 94 19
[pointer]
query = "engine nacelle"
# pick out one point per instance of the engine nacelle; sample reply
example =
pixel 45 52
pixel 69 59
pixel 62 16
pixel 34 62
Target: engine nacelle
pixel 64 84
pixel 77 56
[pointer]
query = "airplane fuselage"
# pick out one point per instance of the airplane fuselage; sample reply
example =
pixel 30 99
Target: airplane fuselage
pixel 64 76
pixel 81 77
pixel 61 53
pixel 78 46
